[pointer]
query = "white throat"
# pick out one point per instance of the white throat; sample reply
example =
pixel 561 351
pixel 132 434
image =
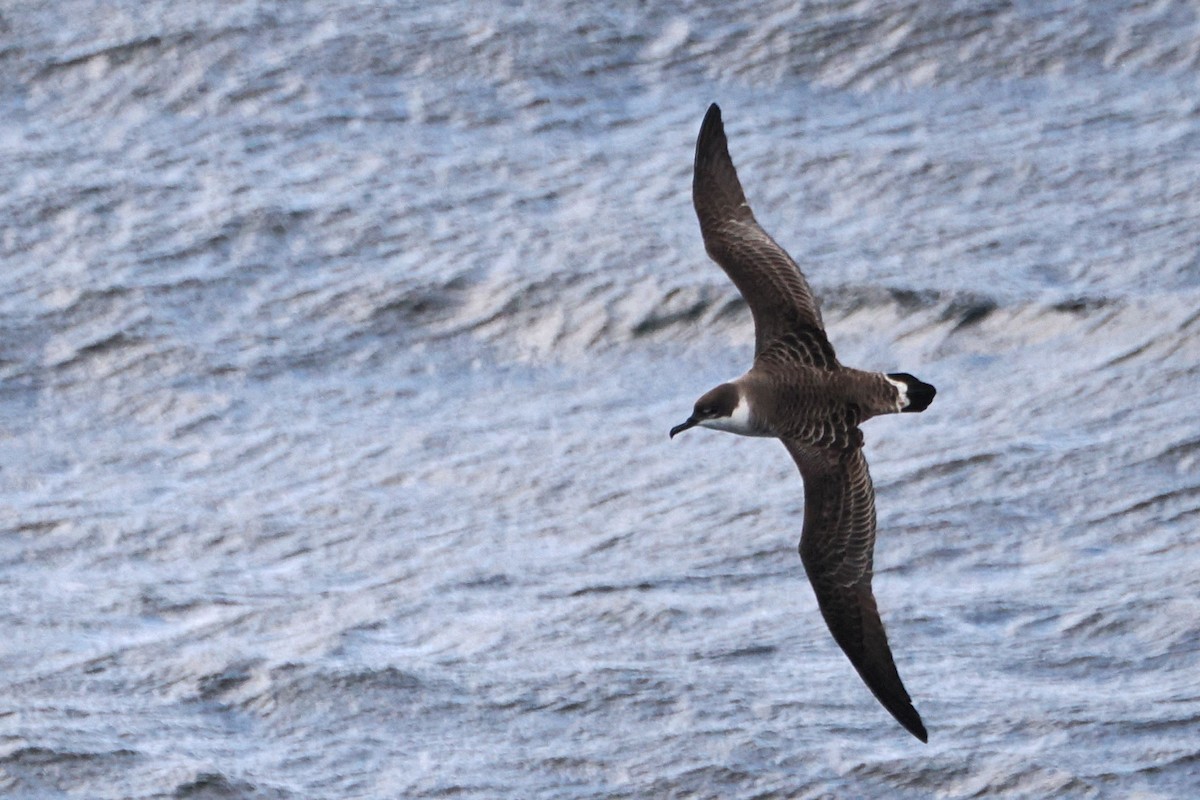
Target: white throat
pixel 737 422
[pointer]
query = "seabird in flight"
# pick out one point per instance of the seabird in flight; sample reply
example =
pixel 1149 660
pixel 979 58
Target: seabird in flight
pixel 798 392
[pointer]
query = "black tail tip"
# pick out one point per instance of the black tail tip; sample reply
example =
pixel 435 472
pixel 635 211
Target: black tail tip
pixel 920 394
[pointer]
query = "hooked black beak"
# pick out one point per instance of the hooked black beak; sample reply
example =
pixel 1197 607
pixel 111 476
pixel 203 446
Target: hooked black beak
pixel 691 423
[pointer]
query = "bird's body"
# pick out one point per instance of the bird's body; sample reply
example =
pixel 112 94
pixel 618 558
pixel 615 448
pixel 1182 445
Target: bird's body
pixel 798 392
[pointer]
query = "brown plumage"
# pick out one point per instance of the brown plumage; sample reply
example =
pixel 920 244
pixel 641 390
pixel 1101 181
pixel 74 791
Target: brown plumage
pixel 798 392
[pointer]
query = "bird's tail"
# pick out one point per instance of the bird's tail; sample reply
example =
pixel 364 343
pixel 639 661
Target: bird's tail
pixel 917 395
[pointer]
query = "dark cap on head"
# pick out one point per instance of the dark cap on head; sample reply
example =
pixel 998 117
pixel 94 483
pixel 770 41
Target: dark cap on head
pixel 713 404
pixel 716 403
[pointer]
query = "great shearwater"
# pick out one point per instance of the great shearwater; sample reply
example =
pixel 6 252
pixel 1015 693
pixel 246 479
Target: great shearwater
pixel 797 392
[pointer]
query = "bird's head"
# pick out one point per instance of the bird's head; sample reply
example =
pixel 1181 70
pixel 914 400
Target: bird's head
pixel 723 408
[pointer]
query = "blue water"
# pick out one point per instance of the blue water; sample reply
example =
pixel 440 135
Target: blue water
pixel 339 343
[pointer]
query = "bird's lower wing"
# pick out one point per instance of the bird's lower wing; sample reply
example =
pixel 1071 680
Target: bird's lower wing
pixel 837 546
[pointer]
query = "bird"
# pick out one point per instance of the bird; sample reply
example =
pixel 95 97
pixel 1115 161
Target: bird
pixel 798 392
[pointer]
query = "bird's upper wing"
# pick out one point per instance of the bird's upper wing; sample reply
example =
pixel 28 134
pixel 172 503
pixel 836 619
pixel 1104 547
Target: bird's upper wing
pixel 837 546
pixel 787 321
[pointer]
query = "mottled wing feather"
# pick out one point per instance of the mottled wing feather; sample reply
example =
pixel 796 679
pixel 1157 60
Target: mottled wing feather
pixel 837 546
pixel 787 321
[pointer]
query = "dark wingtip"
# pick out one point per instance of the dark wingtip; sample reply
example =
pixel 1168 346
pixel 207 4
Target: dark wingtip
pixel 920 394
pixel 900 706
pixel 716 192
pixel 915 726
pixel 712 135
pixel 864 642
pixel 897 702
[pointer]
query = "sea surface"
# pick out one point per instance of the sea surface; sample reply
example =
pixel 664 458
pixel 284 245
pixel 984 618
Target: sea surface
pixel 339 343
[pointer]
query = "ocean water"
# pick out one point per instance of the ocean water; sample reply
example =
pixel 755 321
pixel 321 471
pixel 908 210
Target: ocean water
pixel 339 343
